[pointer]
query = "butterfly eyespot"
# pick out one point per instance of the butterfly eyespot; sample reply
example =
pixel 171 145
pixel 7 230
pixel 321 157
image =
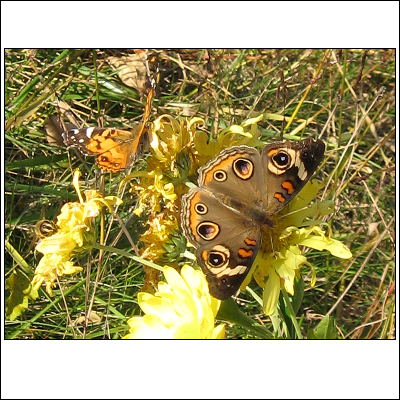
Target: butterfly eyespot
pixel 208 230
pixel 220 176
pixel 243 168
pixel 201 208
pixel 216 259
pixel 281 159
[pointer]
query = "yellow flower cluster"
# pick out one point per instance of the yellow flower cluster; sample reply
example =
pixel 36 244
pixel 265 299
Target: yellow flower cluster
pixel 75 235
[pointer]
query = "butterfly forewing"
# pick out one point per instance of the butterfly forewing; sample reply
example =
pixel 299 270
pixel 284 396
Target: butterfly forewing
pixel 287 168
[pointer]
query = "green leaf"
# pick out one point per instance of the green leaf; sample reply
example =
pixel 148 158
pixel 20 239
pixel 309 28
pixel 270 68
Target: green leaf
pixel 21 292
pixel 297 299
pixel 326 329
pixel 229 311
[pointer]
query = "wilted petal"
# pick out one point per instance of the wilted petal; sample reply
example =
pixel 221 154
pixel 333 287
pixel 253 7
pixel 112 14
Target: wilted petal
pixel 61 243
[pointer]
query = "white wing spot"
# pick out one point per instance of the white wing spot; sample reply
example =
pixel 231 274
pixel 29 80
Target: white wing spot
pixel 89 132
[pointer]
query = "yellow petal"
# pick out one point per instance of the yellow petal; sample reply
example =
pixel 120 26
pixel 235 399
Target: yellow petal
pixel 252 121
pixel 335 247
pixel 61 243
pixel 271 292
pixel 149 327
pixel 173 278
pixel 218 332
pixel 182 308
pixel 75 183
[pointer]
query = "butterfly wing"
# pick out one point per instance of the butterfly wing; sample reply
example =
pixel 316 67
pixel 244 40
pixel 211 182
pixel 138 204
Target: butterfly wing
pixel 235 177
pixel 226 242
pixel 287 167
pixel 116 149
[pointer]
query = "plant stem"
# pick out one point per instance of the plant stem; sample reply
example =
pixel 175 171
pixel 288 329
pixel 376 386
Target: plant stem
pixel 292 314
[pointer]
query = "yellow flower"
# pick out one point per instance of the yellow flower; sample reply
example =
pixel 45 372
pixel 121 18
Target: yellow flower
pixel 152 189
pixel 166 190
pixel 247 133
pixel 159 240
pixel 171 141
pixel 50 267
pixel 62 243
pixel 162 244
pixel 277 264
pixel 170 137
pixel 181 309
pixel 76 236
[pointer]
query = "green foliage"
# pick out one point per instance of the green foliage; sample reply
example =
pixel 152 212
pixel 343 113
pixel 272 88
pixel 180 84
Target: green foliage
pixel 230 312
pixel 326 329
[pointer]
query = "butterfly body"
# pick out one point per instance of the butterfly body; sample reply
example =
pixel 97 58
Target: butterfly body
pixel 238 193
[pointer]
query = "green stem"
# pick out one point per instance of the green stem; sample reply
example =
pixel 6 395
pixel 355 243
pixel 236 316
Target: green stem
pixel 229 311
pixel 126 254
pixel 96 82
pixel 292 314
